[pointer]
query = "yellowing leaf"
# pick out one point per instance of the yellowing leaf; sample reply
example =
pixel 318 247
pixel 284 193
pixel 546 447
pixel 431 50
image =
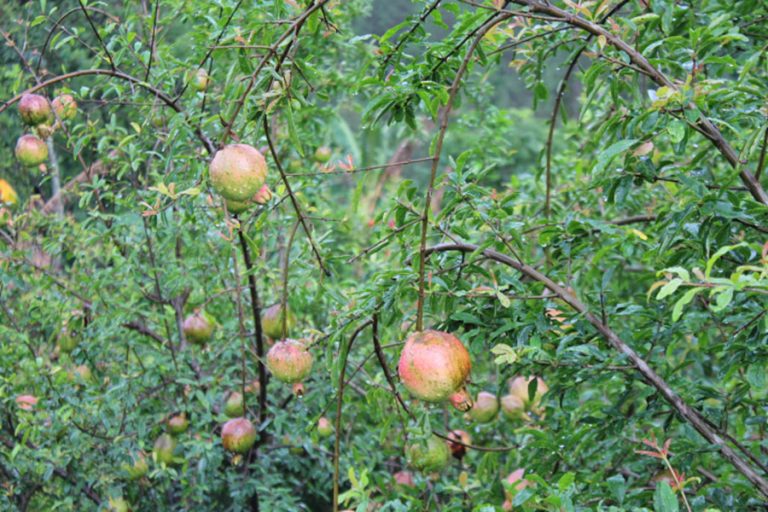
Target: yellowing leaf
pixel 639 234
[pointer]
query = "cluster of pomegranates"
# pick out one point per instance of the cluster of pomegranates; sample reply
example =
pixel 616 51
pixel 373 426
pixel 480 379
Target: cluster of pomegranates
pixel 43 117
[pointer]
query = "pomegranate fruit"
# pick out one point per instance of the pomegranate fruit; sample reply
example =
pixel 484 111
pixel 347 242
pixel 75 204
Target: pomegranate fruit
pixel 66 341
pixel 177 424
pixel 289 361
pixel 485 408
pixel 197 328
pixel 458 450
pixel 323 154
pixel 35 109
pixel 164 447
pixel 238 171
pixel 138 466
pixel 201 80
pixel 65 107
pixel 434 366
pixel 404 478
pixel 234 407
pixel 272 321
pixel 31 150
pixel 238 435
pixel 428 456
pixel 518 403
pixel 82 373
pixel 324 427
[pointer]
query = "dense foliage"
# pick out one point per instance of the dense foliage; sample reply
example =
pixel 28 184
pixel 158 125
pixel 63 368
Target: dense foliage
pixel 610 238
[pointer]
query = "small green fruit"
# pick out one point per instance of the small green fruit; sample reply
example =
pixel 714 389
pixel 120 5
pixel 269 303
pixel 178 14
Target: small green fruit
pixel 177 424
pixel 234 407
pixel 323 154
pixel 428 456
pixel 324 427
pixel 164 448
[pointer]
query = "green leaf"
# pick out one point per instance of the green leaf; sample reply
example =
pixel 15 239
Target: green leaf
pixel 669 288
pixel 664 499
pixel 611 152
pixel 677 310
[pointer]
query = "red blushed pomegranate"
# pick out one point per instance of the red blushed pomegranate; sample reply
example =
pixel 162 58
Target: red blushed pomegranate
pixel 404 478
pixel 197 328
pixel 65 107
pixel 324 427
pixel 458 450
pixel 238 171
pixel 238 435
pixel 434 366
pixel 485 409
pixel 31 150
pixel 35 109
pixel 272 321
pixel 289 361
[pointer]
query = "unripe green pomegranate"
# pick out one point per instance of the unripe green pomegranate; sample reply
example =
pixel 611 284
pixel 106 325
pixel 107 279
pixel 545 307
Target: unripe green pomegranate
pixel 82 373
pixel 65 107
pixel 289 361
pixel 35 109
pixel 177 424
pixel 238 435
pixel 238 171
pixel 434 366
pixel 513 408
pixel 324 427
pixel 234 407
pixel 201 80
pixel 272 322
pixel 164 447
pixel 485 408
pixel 428 456
pixel 138 466
pixel 66 341
pixel 323 154
pixel 31 150
pixel 197 328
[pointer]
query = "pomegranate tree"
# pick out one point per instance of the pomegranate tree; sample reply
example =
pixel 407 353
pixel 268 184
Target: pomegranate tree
pixel 238 435
pixel 31 150
pixel 272 321
pixel 485 408
pixel 289 361
pixel 434 366
pixel 238 171
pixel 428 455
pixel 197 328
pixel 35 109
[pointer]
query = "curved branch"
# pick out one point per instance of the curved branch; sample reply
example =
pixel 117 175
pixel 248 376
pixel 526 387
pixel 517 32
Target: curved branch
pixel 690 415
pixel 706 126
pixel 115 74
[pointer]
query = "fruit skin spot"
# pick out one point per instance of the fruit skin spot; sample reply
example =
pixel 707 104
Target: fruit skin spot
pixel 435 365
pixel 238 171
